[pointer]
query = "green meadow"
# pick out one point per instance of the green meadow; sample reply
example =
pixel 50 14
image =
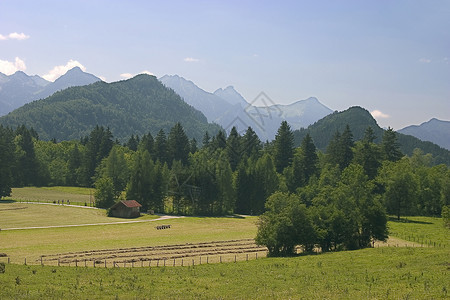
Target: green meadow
pixel 383 272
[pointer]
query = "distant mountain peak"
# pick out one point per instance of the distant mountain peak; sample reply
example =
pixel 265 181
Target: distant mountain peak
pixel 435 131
pixel 230 95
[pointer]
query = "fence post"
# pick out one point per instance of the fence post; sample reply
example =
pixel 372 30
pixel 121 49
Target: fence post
pixel 8 260
pixel 200 260
pixel 247 257
pixel 157 263
pixel 105 263
pixel 25 261
pixel 181 262
pixel 58 261
pixel 76 262
pixel 85 262
pixel 221 259
pixel 41 262
pixel 207 259
pixel 235 258
pixel 174 262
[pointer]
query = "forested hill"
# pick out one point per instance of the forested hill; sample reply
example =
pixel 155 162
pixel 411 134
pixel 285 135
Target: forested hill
pixel 359 119
pixel 135 106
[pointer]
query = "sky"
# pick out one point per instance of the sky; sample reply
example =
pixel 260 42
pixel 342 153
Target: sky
pixel 390 57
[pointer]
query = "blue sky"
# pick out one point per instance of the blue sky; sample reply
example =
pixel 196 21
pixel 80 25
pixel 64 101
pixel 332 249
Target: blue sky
pixel 390 57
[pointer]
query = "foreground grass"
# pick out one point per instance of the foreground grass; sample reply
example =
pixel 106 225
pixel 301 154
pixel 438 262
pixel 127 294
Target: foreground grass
pixel 378 273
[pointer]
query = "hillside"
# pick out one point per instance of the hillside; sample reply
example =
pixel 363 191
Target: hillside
pixel 20 88
pixel 435 131
pixel 135 106
pixel 359 119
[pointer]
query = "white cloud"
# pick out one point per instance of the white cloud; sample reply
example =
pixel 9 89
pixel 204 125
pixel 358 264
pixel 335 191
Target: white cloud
pixel 14 36
pixel 60 70
pixel 8 67
pixel 425 60
pixel 147 72
pixel 126 75
pixel 129 75
pixel 191 59
pixel 379 115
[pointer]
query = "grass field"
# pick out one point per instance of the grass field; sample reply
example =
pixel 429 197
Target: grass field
pixel 380 273
pixel 377 273
pixel 76 195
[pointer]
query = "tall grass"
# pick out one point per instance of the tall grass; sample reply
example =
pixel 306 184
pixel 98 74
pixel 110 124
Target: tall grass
pixel 381 273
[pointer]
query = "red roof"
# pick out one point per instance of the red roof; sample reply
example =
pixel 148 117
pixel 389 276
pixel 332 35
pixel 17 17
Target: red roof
pixel 131 203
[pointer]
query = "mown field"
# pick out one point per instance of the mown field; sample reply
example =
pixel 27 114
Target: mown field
pixel 419 271
pixel 76 195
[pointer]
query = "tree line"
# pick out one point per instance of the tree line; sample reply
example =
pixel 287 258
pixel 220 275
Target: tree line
pixel 336 199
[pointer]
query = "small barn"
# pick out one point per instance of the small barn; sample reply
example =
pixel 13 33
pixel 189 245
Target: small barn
pixel 125 209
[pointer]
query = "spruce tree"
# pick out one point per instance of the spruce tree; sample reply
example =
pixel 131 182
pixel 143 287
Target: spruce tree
pixel 161 147
pixel 390 149
pixel 283 147
pixel 178 146
pixel 6 161
pixel 233 148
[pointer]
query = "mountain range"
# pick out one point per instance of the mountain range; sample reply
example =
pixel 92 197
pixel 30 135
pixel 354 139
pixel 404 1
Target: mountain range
pixel 19 88
pixel 435 131
pixel 225 107
pixel 228 108
pixel 135 106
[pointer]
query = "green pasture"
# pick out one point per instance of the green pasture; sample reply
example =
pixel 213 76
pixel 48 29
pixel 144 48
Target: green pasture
pixel 31 243
pixel 376 273
pixel 76 195
pixel 421 230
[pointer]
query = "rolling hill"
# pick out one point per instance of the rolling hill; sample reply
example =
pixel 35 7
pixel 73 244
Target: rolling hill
pixel 359 119
pixel 135 106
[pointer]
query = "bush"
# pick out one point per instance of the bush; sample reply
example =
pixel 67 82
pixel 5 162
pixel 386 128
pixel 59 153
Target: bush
pixel 446 215
pixel 2 267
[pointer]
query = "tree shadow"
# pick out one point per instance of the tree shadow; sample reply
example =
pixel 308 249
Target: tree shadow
pixel 7 201
pixel 406 220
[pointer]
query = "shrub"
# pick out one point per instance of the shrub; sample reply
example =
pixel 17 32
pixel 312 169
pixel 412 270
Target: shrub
pixel 2 267
pixel 446 215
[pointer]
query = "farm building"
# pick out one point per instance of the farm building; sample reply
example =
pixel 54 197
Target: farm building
pixel 125 209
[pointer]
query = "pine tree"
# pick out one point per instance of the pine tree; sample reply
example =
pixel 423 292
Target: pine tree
pixel 390 149
pixel 233 148
pixel 133 143
pixel 27 164
pixel 161 147
pixel 367 154
pixel 147 143
pixel 178 146
pixel 283 147
pixel 251 144
pixel 98 147
pixel 6 161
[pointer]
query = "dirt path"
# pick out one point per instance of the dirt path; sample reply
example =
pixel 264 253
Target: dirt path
pixel 164 217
